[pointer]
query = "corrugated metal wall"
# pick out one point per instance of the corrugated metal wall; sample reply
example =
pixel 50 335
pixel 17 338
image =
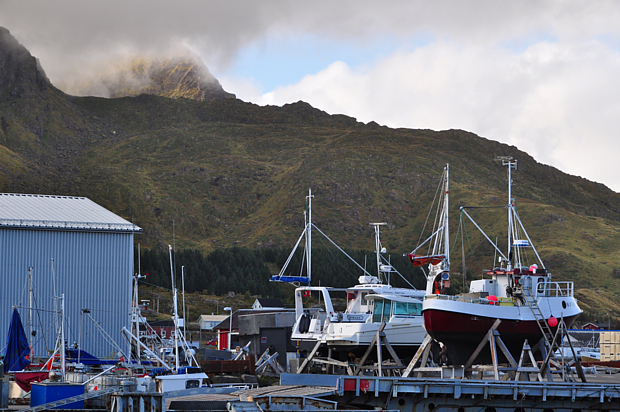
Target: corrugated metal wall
pixel 92 269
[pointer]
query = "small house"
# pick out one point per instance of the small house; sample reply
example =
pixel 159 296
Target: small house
pixel 267 304
pixel 207 322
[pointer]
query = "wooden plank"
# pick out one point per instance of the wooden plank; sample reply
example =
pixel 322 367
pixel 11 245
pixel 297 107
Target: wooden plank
pixel 307 360
pixel 580 373
pixel 359 369
pixel 481 345
pixel 426 342
pixel 391 351
pixel 379 352
pixel 427 351
pixel 491 338
pixel 504 349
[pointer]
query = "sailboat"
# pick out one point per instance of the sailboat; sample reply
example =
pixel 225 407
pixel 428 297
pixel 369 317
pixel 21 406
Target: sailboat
pixel 17 352
pixel 177 377
pixel 523 296
pixel 370 303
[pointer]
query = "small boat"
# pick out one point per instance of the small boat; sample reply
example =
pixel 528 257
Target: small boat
pixel 523 296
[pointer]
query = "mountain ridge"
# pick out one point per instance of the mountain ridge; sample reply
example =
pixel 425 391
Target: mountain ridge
pixel 222 172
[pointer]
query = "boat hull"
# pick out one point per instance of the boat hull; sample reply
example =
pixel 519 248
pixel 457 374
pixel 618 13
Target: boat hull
pixel 462 326
pixel 405 336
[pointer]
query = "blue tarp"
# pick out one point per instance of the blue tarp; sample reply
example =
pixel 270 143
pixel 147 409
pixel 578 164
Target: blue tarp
pixel 290 279
pixel 86 358
pixel 17 348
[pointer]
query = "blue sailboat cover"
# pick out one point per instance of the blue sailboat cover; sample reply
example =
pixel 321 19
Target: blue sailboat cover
pixel 17 348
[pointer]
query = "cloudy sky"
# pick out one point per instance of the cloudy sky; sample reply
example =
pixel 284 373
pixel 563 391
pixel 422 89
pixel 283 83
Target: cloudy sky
pixel 541 75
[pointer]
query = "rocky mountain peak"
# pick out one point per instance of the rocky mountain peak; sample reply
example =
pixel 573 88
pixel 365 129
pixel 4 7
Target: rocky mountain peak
pixel 183 75
pixel 20 72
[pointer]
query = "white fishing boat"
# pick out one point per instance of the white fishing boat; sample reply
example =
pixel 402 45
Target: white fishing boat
pixel 370 303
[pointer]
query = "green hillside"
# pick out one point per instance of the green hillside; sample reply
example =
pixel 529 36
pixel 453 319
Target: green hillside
pixel 223 173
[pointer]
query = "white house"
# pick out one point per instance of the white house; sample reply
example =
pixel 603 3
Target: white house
pixel 207 322
pixel 265 303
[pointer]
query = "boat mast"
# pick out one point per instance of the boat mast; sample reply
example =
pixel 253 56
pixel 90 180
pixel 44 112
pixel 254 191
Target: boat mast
pixel 62 336
pixel 176 316
pixel 309 237
pixel 136 309
pixel 378 248
pixel 507 161
pixel 183 295
pixel 30 317
pixel 446 234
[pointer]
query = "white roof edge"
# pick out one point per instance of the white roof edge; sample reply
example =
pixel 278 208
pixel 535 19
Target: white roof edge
pixel 129 227
pixel 59 212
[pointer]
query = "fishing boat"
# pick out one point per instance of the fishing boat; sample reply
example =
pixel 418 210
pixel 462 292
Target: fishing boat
pixel 372 303
pixel 523 296
pixel 369 304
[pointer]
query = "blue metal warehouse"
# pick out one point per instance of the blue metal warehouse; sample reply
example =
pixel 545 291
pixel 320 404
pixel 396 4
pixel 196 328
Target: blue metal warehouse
pixel 73 247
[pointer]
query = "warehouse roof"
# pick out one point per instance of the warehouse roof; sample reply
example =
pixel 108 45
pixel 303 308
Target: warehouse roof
pixel 59 212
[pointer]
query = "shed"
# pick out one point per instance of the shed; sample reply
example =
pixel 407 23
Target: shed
pixel 68 246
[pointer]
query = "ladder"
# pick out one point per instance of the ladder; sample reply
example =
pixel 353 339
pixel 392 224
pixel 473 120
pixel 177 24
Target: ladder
pixel 532 302
pixel 77 398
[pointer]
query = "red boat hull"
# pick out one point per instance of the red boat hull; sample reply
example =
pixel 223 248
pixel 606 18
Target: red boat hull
pixel 462 332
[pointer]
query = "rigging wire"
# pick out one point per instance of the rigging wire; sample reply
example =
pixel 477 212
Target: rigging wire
pixel 430 210
pixel 336 259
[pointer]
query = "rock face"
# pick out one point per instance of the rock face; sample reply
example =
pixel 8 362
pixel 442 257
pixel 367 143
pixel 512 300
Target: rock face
pixel 183 76
pixel 20 72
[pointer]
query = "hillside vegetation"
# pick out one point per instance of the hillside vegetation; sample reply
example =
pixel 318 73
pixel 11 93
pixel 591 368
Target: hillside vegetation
pixel 223 173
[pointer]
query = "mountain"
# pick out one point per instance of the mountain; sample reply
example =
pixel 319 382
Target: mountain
pixel 181 76
pixel 222 172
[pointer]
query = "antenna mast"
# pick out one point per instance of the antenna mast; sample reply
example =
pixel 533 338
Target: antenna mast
pixel 508 161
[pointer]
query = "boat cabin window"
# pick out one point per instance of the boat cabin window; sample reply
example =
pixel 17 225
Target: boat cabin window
pixel 193 383
pixel 541 286
pixel 381 311
pixel 408 308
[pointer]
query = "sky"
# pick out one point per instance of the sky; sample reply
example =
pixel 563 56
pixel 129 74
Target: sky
pixel 543 76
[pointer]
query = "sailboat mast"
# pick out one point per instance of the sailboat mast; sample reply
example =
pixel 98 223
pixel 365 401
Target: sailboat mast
pixel 183 295
pixel 62 336
pixel 176 316
pixel 30 317
pixel 309 237
pixel 446 234
pixel 378 250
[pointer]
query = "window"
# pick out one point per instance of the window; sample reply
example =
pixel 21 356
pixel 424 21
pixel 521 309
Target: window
pixel 194 383
pixel 400 308
pixel 411 309
pixel 541 286
pixel 414 308
pixel 377 311
pixel 387 309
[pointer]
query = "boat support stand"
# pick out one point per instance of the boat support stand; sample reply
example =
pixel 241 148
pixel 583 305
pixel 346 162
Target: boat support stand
pixel 356 368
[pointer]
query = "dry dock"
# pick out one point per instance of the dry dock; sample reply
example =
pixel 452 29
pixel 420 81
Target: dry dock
pixel 463 395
